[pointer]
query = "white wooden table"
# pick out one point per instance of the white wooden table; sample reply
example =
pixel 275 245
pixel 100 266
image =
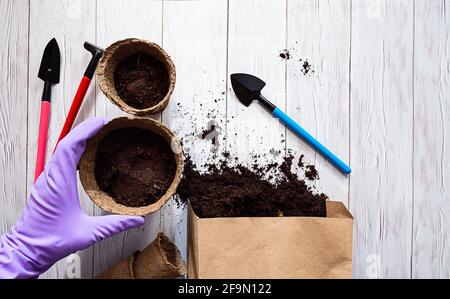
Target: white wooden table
pixel 379 97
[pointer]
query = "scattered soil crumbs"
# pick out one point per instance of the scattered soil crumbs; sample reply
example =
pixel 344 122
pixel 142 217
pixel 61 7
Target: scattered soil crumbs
pixel 206 132
pixel 285 54
pixel 210 133
pixel 134 166
pixel 300 163
pixel 311 173
pixel 141 81
pixel 306 67
pixel 226 191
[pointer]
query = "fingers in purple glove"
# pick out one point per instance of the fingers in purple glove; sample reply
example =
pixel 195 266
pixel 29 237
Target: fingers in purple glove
pixel 106 226
pixel 75 141
pixel 65 160
pixel 53 224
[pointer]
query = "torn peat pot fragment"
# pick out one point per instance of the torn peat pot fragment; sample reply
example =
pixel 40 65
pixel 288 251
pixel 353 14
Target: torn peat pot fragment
pixel 159 260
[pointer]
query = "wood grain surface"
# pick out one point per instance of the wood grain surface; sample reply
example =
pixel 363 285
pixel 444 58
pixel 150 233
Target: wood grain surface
pixel 377 94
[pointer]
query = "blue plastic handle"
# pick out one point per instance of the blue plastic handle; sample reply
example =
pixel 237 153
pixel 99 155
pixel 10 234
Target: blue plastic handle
pixel 311 140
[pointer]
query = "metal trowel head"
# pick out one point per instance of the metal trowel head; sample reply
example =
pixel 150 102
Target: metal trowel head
pixel 50 63
pixel 247 87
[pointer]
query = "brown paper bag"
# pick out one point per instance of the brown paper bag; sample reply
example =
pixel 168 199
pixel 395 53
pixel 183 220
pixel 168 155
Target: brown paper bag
pixel 161 259
pixel 271 247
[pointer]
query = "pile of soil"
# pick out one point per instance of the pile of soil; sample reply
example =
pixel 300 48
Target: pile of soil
pixel 134 166
pixel 141 81
pixel 225 191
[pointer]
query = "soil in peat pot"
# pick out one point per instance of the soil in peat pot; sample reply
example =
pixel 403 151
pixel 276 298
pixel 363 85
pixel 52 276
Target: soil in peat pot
pixel 134 166
pixel 226 191
pixel 141 81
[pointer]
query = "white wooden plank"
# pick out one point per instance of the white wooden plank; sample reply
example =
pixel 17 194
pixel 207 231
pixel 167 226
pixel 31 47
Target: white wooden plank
pixel 120 19
pixel 431 221
pixel 319 32
pixel 195 35
pixel 381 110
pixel 13 112
pixel 381 144
pixel 71 23
pixel 257 33
pixel 116 20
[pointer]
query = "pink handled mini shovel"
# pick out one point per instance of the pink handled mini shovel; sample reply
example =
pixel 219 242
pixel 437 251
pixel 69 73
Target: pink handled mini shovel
pixel 49 72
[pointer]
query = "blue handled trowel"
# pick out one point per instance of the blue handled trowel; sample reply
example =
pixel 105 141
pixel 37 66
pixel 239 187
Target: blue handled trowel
pixel 248 89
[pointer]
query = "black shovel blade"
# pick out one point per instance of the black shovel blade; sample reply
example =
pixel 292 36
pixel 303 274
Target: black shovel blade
pixel 50 64
pixel 246 87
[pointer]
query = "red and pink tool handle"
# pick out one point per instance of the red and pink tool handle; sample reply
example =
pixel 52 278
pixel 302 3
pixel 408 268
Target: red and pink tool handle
pixel 78 99
pixel 42 140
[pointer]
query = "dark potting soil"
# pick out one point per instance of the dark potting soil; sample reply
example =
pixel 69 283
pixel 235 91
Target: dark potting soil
pixel 207 131
pixel 206 134
pixel 225 191
pixel 141 81
pixel 311 173
pixel 134 166
pixel 300 162
pixel 306 67
pixel 285 54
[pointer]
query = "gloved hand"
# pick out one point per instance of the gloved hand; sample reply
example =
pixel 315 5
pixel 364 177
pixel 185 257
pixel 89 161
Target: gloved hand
pixel 52 224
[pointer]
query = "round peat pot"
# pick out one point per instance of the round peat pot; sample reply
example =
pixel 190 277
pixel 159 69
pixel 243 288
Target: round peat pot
pixel 127 167
pixel 136 75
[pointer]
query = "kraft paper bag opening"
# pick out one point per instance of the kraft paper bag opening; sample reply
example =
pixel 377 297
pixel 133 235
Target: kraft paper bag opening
pixel 271 247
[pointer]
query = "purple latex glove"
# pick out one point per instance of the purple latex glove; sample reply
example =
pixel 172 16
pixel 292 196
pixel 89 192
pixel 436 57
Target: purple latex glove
pixel 52 224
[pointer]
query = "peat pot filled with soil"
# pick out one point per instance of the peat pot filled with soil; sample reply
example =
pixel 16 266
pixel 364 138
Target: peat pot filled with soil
pixel 137 75
pixel 132 166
